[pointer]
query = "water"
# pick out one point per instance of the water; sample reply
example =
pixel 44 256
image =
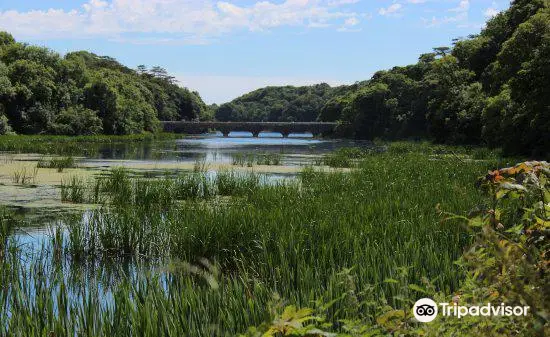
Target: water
pixel 296 150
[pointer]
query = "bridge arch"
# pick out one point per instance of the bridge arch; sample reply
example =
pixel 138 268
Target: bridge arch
pixel 285 128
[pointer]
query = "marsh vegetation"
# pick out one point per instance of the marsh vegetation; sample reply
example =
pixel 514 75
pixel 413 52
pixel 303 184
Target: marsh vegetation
pixel 224 251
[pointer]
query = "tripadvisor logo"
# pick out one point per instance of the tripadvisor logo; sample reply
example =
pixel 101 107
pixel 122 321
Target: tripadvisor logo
pixel 426 310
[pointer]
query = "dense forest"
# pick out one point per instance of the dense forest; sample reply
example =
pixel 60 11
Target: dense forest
pixel 83 93
pixel 492 89
pixel 279 104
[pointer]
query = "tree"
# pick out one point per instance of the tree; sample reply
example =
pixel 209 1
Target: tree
pixel 32 104
pixel 445 81
pixel 77 121
pixel 370 113
pixel 142 69
pixel 6 39
pixel 441 51
pixel 524 62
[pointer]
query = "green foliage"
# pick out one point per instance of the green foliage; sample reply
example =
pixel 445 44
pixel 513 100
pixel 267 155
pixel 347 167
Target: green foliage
pixel 507 263
pixel 57 163
pixel 273 104
pixel 84 94
pixel 75 121
pixel 24 175
pixel 344 157
pixel 75 145
pixel 73 190
pixel 249 159
pixel 491 89
pixel 358 249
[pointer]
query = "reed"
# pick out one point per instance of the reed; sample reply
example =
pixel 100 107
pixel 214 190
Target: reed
pixel 320 238
pixel 249 159
pixel 73 190
pixel 57 163
pixel 24 175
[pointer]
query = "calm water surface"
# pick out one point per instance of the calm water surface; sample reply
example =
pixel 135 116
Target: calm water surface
pixel 298 149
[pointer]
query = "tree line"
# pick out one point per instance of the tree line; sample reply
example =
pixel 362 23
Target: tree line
pixel 84 94
pixel 277 104
pixel 492 88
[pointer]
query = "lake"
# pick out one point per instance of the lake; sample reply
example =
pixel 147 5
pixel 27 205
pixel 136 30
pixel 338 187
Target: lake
pixel 47 216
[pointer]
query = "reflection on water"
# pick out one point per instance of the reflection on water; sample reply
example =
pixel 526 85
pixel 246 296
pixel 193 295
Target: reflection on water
pixel 87 279
pixel 38 242
pixel 297 149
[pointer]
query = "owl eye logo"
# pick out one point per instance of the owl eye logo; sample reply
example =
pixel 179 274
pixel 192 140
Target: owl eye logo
pixel 425 310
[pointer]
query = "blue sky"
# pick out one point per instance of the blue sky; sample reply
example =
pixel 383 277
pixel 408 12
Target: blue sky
pixel 226 48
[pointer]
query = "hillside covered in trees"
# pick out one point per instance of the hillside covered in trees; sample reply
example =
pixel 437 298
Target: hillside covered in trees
pixel 492 89
pixel 278 104
pixel 83 93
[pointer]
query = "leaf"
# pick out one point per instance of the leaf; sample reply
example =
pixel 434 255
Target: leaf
pixel 514 187
pixel 518 229
pixel 501 194
pixel 476 222
pixel 390 280
pixel 318 332
pixel 389 316
pixel 417 288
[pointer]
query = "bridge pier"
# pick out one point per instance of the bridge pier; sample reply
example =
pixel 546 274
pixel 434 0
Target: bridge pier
pixel 225 132
pixel 256 131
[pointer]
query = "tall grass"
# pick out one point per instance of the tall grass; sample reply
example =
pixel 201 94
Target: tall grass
pixel 249 159
pixel 318 238
pixel 73 190
pixel 73 145
pixel 24 175
pixel 233 183
pixel 57 163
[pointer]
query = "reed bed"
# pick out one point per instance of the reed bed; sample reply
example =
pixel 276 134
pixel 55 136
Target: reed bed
pixel 57 163
pixel 250 159
pixel 119 187
pixel 24 175
pixel 76 145
pixel 316 239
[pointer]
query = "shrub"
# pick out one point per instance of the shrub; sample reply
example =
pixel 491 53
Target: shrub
pixel 77 121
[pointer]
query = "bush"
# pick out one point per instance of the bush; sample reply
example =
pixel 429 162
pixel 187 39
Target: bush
pixel 4 126
pixel 77 121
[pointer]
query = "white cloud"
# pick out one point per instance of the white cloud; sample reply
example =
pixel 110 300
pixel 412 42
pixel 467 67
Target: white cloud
pixel 342 2
pixel 351 22
pixel 391 10
pixel 415 2
pixel 349 25
pixel 221 89
pixel 186 20
pixel 463 6
pixel 460 17
pixel 491 11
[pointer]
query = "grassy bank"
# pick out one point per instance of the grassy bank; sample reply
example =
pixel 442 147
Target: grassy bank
pixel 72 145
pixel 370 233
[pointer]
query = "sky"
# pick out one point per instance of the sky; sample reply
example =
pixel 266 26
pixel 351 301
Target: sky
pixel 224 49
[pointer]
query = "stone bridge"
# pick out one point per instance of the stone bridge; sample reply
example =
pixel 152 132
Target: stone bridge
pixel 285 128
